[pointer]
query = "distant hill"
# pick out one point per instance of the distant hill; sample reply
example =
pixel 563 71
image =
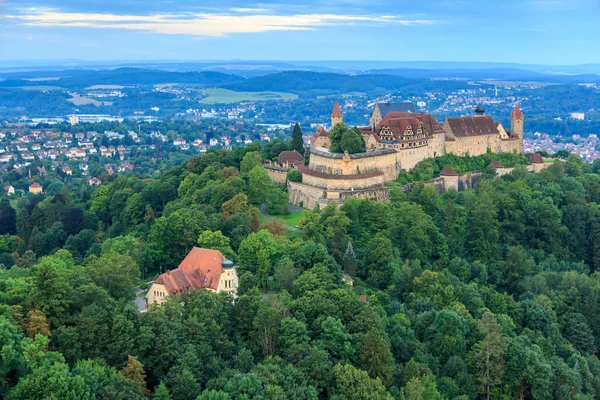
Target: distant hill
pixel 308 83
pixel 121 76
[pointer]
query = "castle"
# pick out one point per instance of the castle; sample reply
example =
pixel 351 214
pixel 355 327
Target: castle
pixel 397 138
pixel 416 136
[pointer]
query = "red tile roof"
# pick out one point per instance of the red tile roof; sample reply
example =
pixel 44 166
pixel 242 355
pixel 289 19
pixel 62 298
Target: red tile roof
pixel 536 159
pixel 448 172
pixel 320 132
pixel 517 113
pixel 473 126
pixel 292 157
pixel 497 164
pixel 336 113
pixel 200 269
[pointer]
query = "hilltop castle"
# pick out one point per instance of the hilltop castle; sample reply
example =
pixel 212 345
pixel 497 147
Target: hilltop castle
pixel 416 136
pixel 396 138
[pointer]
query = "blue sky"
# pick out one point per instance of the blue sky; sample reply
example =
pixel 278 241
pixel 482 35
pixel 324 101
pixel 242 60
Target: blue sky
pixel 522 31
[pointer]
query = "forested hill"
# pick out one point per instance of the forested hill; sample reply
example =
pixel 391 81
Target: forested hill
pixel 127 76
pixel 304 82
pixel 489 292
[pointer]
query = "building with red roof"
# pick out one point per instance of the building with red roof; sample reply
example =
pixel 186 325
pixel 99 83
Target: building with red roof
pixel 201 269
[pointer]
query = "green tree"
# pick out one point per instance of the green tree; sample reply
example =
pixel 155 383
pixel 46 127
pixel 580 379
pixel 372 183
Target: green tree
pixel 352 142
pixel 355 384
pixel 161 393
pixel 277 202
pixel 488 354
pixel 251 160
pixel 118 274
pixel 216 241
pixel 297 142
pixel 374 353
pixel 258 185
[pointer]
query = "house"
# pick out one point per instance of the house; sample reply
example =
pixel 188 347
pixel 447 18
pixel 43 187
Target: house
pixel 67 170
pixel 201 269
pixel 94 182
pixel 9 190
pixel 179 142
pixel 27 156
pixel 7 157
pixel 35 188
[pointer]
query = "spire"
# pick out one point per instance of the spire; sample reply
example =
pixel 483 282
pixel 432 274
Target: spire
pixel 517 113
pixel 336 113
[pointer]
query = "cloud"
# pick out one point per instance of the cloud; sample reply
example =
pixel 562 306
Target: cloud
pixel 201 24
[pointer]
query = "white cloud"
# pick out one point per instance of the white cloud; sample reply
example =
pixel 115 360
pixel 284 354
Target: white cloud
pixel 200 24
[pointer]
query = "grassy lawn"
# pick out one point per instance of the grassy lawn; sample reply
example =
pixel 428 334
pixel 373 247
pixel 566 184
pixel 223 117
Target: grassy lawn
pixel 292 219
pixel 220 96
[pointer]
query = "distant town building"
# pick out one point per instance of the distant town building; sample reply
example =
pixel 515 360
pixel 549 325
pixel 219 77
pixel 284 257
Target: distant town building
pixel 578 116
pixel 35 188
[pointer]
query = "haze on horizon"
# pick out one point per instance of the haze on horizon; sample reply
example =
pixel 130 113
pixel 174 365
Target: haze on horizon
pixel 558 32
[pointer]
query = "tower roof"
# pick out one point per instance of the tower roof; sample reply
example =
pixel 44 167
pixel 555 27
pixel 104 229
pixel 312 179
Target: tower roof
pixel 336 113
pixel 517 113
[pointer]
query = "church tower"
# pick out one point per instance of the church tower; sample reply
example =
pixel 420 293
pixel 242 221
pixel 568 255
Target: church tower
pixel 336 115
pixel 516 126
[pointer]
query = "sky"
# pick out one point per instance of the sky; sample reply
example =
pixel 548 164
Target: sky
pixel 558 32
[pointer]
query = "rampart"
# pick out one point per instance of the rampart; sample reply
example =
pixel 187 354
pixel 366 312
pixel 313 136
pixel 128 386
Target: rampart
pixel 383 160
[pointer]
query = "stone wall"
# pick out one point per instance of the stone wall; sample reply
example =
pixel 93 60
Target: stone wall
pixel 511 146
pixel 310 197
pixel 342 182
pixel 436 146
pixel 277 174
pixel 303 195
pixel 384 160
pixel 473 145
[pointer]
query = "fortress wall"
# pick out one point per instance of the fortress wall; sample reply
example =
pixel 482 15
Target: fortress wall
pixel 383 160
pixel 334 183
pixel 303 195
pixel 473 145
pixel 277 174
pixel 510 146
pixel 409 158
pixel 436 146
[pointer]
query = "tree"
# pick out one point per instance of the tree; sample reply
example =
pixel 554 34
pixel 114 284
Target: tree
pixel 352 142
pixel 214 395
pixel 37 324
pixel 574 165
pixel 375 354
pixel 134 371
pixel 294 175
pixel 258 184
pixel 277 202
pixel 118 274
pixel 161 392
pixel 216 241
pixel 8 218
pixel 336 340
pixel 251 160
pixel 355 384
pixel 297 142
pixel 488 354
pixel 266 327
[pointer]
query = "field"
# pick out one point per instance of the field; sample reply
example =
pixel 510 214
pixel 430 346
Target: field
pixel 80 100
pixel 41 87
pixel 223 96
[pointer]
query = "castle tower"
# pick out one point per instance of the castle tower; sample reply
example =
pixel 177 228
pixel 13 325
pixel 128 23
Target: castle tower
pixel 516 122
pixel 516 126
pixel 336 115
